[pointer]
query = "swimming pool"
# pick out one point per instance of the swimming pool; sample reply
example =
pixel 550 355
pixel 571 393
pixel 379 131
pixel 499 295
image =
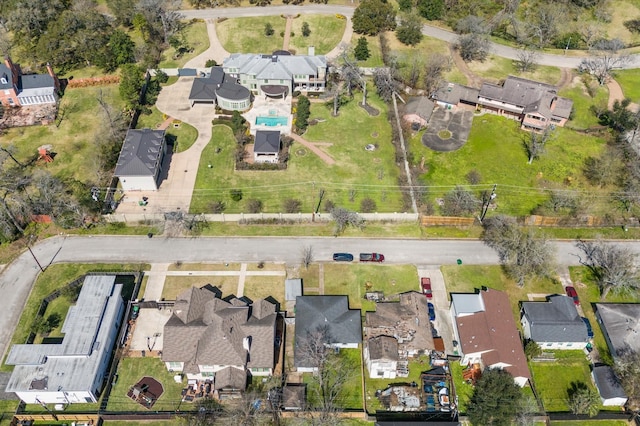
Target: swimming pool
pixel 272 121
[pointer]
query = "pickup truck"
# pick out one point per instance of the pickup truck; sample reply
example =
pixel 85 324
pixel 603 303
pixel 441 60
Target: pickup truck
pixel 371 257
pixel 425 283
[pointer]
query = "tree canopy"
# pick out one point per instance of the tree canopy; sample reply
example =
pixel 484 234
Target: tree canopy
pixel 495 399
pixel 373 16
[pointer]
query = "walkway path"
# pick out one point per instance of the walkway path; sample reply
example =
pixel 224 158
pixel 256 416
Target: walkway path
pixel 616 94
pixel 287 33
pixel 155 281
pixel 313 147
pixel 215 50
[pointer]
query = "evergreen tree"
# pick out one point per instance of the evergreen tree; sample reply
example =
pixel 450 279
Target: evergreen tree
pixel 361 51
pixel 431 9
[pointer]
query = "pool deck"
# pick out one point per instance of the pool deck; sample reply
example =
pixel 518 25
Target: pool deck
pixel 265 107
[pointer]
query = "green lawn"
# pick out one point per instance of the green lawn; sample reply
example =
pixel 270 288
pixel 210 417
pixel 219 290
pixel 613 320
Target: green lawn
pixel 246 35
pixel 553 379
pixel 496 68
pixel 416 367
pixel 519 184
pixel 262 287
pixel 73 140
pixel 130 371
pixel 198 40
pixel 53 278
pixel 174 285
pixel 463 389
pixel 351 395
pixel 357 172
pixel 628 80
pixel 183 134
pixel 326 33
pixel 353 279
pixel 583 116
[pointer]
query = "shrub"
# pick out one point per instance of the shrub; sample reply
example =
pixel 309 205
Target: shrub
pixel 329 205
pixel 236 194
pixel 367 205
pixel 473 177
pixel 633 25
pixel 268 29
pixel 254 205
pixel 211 63
pixel 306 31
pixel 291 205
pixel 217 206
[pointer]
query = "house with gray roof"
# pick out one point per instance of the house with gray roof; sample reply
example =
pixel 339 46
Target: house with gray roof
pixel 536 105
pixel 453 95
pixel 554 324
pixel 278 74
pixel 266 147
pixel 418 111
pixel 620 324
pixel 140 161
pixel 208 338
pixel 326 321
pixel 217 88
pixel 611 392
pixel 74 370
pixel 18 89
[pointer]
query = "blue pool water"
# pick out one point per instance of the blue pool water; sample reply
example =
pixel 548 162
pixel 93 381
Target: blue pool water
pixel 272 121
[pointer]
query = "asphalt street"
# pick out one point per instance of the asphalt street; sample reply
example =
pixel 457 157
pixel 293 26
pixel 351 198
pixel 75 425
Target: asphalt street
pixel 508 52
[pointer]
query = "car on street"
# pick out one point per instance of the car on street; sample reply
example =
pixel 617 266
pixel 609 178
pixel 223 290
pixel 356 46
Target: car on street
pixel 371 257
pixel 572 293
pixel 343 257
pixel 432 311
pixel 425 283
pixel 589 329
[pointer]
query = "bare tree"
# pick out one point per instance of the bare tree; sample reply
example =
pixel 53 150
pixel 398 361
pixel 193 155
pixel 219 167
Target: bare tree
pixel 613 267
pixel 435 66
pixel 523 254
pixel 207 412
pixel 534 143
pixel 627 368
pixel 459 202
pixel 527 58
pixel 544 22
pixel 352 77
pixel 307 256
pixel 343 218
pixel 527 410
pixel 386 82
pixel 473 47
pixel 605 59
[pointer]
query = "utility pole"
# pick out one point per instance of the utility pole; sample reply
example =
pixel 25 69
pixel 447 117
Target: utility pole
pixel 486 202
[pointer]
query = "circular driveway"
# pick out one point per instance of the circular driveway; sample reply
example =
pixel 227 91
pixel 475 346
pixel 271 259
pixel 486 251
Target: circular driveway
pixel 457 122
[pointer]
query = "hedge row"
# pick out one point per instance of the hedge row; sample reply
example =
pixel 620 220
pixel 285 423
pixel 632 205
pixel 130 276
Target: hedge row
pixel 93 81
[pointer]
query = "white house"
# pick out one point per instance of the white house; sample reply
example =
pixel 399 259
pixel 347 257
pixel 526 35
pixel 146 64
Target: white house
pixel 554 324
pixel 381 357
pixel 140 161
pixel 73 371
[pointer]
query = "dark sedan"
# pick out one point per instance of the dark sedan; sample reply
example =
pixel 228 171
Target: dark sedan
pixel 343 257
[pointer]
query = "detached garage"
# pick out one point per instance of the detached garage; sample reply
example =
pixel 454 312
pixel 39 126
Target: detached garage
pixel 140 161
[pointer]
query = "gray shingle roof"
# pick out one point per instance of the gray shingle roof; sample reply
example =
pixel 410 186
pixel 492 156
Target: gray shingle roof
pixel 454 93
pixel 141 153
pixel 206 330
pixel 314 312
pixel 267 141
pixel 517 91
pixel 607 383
pixel 621 323
pixel 230 378
pixel 36 81
pixel 421 106
pixel 556 320
pixel 5 72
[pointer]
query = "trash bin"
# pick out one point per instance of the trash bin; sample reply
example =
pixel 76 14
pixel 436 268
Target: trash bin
pixel 150 234
pixel 459 261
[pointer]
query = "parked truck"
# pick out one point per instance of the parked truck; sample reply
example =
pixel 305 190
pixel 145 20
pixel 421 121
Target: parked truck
pixel 371 257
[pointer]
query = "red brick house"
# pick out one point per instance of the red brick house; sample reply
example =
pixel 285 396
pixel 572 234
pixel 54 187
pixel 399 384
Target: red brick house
pixel 17 89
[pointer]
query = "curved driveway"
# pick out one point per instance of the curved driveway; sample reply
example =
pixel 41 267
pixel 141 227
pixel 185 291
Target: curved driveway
pixel 17 278
pixel 431 31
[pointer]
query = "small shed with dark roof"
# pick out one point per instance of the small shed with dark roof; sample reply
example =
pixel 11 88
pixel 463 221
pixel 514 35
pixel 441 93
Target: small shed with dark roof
pixel 266 146
pixel 140 161
pixel 294 396
pixel 609 387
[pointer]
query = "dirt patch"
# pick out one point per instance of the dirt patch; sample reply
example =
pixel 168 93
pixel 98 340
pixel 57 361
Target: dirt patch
pixel 29 116
pixel 373 112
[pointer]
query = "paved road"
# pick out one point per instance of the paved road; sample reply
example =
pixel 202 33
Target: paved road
pixel 18 277
pixel 431 31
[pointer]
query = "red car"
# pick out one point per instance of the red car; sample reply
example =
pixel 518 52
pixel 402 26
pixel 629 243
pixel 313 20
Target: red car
pixel 425 283
pixel 572 293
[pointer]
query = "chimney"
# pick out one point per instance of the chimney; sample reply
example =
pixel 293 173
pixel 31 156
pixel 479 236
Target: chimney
pixel 312 51
pixel 14 70
pixel 53 75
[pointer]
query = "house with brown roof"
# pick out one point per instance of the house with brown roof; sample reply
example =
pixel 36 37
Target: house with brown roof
pixel 222 340
pixel 406 322
pixel 486 331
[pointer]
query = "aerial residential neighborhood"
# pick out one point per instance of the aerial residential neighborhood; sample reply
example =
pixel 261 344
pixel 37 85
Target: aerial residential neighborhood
pixel 349 213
